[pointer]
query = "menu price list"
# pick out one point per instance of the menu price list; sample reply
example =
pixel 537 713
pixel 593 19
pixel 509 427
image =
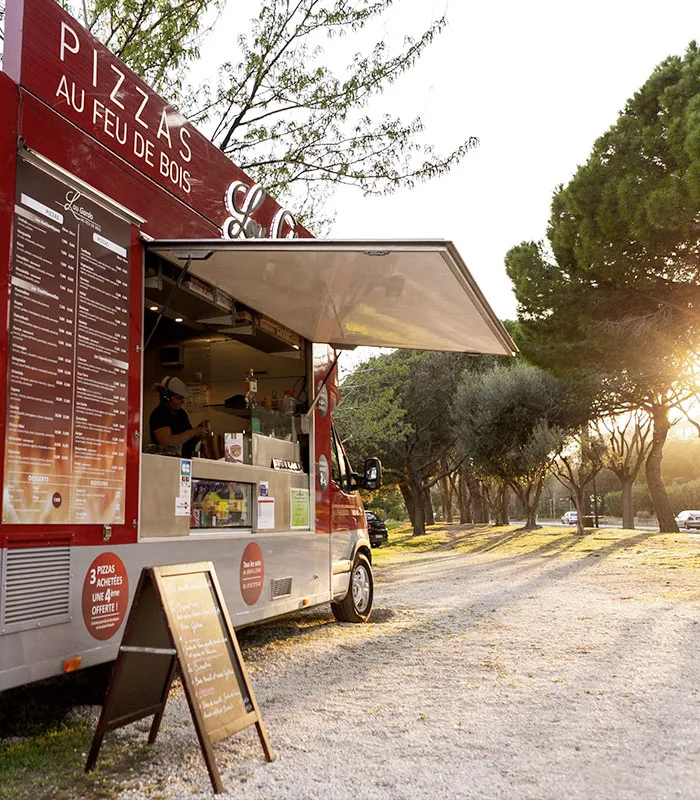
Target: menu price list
pixel 208 653
pixel 65 456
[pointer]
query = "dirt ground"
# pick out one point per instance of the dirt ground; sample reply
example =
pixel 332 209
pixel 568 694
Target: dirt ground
pixel 567 668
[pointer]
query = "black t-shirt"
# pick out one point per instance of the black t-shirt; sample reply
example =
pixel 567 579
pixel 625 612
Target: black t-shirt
pixel 178 422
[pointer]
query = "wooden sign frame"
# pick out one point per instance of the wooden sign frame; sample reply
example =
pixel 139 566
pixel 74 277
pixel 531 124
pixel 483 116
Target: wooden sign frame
pixel 170 605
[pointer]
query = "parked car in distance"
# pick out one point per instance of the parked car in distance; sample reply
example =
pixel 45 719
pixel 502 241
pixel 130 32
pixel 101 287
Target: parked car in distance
pixel 688 519
pixel 570 518
pixel 378 533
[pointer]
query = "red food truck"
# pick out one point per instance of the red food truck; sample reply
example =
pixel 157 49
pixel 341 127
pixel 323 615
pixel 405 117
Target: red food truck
pixel 135 253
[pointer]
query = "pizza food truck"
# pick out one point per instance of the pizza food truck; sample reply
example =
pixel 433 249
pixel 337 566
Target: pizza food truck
pixel 135 254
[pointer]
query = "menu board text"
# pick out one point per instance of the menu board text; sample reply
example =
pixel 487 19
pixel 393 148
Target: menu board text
pixel 208 653
pixel 65 454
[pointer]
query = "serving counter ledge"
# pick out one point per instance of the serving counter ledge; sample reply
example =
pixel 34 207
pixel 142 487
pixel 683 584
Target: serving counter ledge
pixel 160 488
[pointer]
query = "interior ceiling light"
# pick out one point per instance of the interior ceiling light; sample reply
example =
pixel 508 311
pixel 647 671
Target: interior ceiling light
pixel 153 308
pixel 179 319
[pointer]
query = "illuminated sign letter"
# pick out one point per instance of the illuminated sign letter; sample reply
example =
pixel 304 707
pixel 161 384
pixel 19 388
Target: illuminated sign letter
pixel 241 201
pixel 278 221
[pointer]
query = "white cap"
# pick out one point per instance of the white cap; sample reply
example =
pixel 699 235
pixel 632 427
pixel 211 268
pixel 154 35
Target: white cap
pixel 175 386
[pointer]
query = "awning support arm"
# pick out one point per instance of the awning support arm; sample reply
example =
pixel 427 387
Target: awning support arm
pixel 317 396
pixel 167 303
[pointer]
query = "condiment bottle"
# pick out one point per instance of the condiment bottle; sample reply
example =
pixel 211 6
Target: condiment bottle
pixel 252 388
pixel 289 404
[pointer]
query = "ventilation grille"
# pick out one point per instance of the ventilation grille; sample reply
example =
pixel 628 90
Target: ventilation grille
pixel 36 587
pixel 281 587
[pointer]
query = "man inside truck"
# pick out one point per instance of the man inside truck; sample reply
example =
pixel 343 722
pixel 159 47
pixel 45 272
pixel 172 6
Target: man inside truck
pixel 169 424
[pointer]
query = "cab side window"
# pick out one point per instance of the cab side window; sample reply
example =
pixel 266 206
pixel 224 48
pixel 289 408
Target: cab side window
pixel 341 473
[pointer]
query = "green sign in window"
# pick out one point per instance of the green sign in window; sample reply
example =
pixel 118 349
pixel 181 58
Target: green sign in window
pixel 299 502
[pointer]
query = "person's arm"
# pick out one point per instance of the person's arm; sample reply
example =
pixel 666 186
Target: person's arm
pixel 165 436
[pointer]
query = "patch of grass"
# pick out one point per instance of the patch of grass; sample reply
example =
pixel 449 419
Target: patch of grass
pixel 47 761
pixel 642 547
pixel 44 743
pixel 52 764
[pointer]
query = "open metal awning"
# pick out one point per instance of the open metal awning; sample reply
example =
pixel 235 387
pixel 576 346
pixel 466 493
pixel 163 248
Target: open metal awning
pixel 407 294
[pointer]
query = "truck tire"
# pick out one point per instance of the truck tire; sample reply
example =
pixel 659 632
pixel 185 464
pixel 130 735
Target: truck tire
pixel 356 606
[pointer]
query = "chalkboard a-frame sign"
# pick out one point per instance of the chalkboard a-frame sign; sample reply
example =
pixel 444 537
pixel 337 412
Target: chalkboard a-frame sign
pixel 179 619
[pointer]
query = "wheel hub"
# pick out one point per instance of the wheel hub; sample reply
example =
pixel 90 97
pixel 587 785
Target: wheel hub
pixel 360 588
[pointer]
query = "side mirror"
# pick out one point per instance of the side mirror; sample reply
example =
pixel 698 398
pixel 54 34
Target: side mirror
pixel 373 474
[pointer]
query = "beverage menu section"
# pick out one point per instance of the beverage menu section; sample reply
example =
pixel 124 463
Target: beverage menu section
pixel 65 456
pixel 208 653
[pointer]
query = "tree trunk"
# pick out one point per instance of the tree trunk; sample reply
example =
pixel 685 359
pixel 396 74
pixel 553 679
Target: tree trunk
pixel 655 482
pixel 463 498
pixel 485 509
pixel 416 493
pixel 626 483
pixel 408 501
pixel 428 503
pixel 502 517
pixel 446 496
pixel 577 497
pixel 529 496
pixel 480 512
pixel 419 516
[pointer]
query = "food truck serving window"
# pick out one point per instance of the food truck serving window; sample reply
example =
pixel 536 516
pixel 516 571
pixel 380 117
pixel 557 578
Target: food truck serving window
pixel 224 391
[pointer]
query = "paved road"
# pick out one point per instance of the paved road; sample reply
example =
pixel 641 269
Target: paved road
pixel 616 524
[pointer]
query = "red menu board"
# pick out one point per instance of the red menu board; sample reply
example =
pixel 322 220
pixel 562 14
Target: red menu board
pixel 65 454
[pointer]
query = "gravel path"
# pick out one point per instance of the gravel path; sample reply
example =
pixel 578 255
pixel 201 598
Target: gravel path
pixel 481 676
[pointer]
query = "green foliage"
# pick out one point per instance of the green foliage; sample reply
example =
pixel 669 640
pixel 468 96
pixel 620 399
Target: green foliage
pixel 615 300
pixel 685 496
pixel 397 406
pixel 158 39
pixel 513 419
pixel 617 296
pixel 387 502
pixel 681 496
pixel 289 119
pixel 371 417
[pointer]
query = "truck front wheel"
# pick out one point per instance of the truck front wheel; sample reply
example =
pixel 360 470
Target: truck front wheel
pixel 356 606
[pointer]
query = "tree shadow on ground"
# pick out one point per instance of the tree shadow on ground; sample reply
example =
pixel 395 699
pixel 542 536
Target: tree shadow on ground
pixel 44 705
pixel 470 538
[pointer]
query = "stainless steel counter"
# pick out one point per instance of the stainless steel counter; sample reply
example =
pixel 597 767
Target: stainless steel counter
pixel 160 487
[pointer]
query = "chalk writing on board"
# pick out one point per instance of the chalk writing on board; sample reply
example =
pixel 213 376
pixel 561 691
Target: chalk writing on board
pixel 207 650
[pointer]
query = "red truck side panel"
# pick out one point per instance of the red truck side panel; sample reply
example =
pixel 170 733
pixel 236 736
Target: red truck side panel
pixel 9 103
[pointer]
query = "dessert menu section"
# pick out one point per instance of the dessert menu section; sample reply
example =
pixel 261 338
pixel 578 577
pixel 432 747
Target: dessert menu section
pixel 65 454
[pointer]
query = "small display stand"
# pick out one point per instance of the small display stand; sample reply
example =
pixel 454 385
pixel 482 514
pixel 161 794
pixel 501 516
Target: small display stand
pixel 178 619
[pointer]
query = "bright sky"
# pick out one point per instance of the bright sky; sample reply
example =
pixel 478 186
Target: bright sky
pixel 537 82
